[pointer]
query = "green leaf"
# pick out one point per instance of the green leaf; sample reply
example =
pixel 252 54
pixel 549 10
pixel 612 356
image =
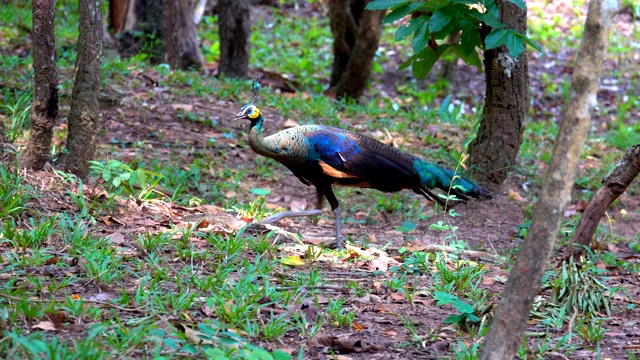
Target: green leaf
pixel 260 191
pixel 444 298
pixel 441 18
pixel 470 38
pixel 106 174
pixel 426 59
pixel 454 319
pixel 420 38
pixel 472 58
pixel 407 63
pixel 495 38
pixel 407 227
pixel 385 4
pixel 532 43
pixel 489 18
pixel 452 26
pixel 142 178
pixel 462 306
pixel 411 27
pixel 519 3
pixel 514 43
pixel 400 12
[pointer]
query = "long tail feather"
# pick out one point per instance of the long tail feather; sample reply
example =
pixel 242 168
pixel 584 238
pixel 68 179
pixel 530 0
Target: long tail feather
pixel 433 176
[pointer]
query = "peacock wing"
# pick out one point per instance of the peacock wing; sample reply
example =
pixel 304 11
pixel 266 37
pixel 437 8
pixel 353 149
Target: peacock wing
pixel 382 166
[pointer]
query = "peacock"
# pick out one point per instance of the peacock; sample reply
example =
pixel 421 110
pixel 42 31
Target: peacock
pixel 323 155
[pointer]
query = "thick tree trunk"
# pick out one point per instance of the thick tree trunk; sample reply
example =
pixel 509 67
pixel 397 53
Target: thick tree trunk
pixel 45 86
pixel 235 22
pixel 83 118
pixel 180 39
pixel 512 313
pixel 495 149
pixel 138 26
pixel 344 29
pixel 353 57
pixel 615 184
pixel 117 14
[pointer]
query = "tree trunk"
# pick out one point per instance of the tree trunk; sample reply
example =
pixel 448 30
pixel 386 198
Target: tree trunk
pixel 615 184
pixel 512 313
pixel 180 39
pixel 356 36
pixel 235 22
pixel 344 29
pixel 45 86
pixel 138 26
pixel 83 118
pixel 495 149
pixel 117 14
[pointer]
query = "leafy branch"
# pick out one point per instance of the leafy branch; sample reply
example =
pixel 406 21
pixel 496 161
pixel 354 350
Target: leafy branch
pixel 432 21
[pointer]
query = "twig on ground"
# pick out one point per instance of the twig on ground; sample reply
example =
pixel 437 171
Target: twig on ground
pixel 17 298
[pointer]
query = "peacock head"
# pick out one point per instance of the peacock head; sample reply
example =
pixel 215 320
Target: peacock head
pixel 249 111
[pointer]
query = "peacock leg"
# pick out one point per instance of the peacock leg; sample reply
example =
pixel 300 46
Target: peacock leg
pixel 337 211
pixel 320 190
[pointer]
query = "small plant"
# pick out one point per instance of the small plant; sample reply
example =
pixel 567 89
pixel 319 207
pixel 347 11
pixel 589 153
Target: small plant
pixel 415 263
pixel 408 323
pixel 590 330
pixel 466 315
pixel 19 116
pixel 275 327
pixel 396 283
pixel 13 195
pixel 335 309
pixel 464 351
pixel 465 276
pixel 577 287
pixel 121 177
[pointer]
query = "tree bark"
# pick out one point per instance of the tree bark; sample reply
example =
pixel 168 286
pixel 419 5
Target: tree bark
pixel 353 63
pixel 235 32
pixel 45 86
pixel 615 184
pixel 512 313
pixel 117 15
pixel 495 149
pixel 137 24
pixel 344 28
pixel 180 39
pixel 83 118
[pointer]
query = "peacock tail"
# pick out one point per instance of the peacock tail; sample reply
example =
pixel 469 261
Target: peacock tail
pixel 433 176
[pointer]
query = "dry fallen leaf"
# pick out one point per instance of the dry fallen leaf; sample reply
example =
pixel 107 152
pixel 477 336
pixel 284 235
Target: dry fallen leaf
pixel 293 260
pixel 44 326
pixel 416 246
pixel 196 337
pixel 488 280
pixel 357 326
pixel 116 238
pixel 185 107
pixel 514 195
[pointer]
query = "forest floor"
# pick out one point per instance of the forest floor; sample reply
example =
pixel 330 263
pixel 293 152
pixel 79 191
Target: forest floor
pixel 379 278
